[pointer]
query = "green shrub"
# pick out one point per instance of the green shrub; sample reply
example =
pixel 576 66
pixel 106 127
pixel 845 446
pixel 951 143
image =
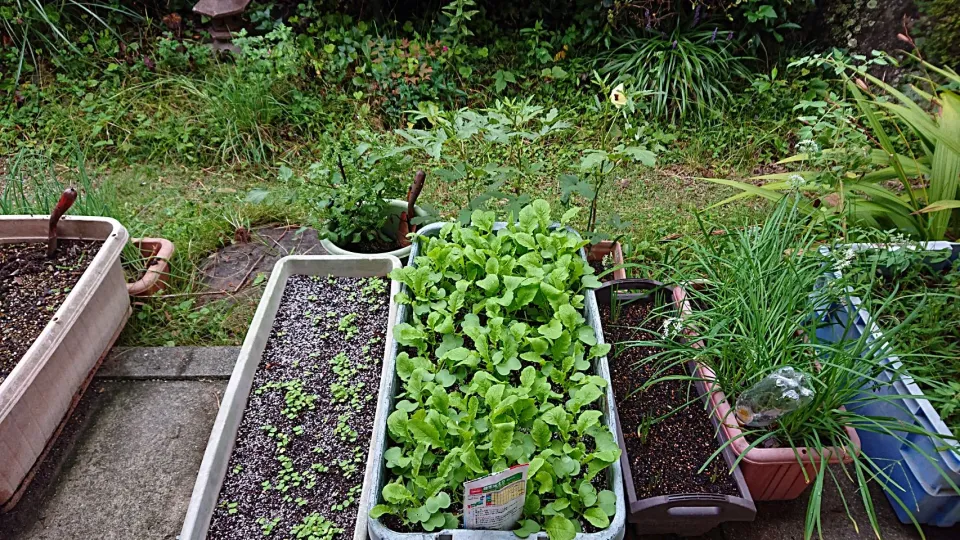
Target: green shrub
pixel 40 29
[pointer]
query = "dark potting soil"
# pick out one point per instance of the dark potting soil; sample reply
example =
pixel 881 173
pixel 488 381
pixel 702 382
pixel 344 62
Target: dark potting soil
pixel 666 460
pixel 298 464
pixel 373 246
pixel 598 268
pixel 32 288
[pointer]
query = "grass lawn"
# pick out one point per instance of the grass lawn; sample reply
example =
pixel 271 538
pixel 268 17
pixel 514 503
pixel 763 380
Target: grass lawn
pixel 200 210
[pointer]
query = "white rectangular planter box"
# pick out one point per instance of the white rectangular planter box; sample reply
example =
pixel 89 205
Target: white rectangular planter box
pixel 388 388
pixel 45 385
pixel 213 468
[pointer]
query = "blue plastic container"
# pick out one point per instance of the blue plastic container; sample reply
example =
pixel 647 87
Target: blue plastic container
pixel 915 480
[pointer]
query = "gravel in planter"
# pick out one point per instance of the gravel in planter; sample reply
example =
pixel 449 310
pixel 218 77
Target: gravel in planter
pixel 32 288
pixel 298 464
pixel 666 455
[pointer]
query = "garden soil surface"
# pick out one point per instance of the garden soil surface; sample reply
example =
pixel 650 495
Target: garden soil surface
pixel 302 445
pixel 374 246
pixel 32 288
pixel 667 461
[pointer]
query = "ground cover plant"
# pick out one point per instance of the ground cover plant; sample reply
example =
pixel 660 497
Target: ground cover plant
pixel 298 464
pixel 756 312
pixel 512 381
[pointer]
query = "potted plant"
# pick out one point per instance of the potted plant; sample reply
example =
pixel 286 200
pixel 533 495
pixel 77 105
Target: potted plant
pixel 151 264
pixel 358 220
pixel 289 451
pixel 352 190
pixel 919 389
pixel 501 369
pixel 620 143
pixel 63 302
pixel 753 316
pixel 672 485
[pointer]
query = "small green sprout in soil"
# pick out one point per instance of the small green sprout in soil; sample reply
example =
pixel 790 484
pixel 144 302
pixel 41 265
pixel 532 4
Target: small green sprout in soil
pixel 290 461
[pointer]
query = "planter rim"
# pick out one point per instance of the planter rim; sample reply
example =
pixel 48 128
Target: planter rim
pixel 694 522
pixel 213 468
pixel 400 253
pixel 151 280
pixel 615 531
pixel 762 456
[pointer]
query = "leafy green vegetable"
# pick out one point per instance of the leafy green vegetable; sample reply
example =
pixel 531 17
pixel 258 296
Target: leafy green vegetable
pixel 495 371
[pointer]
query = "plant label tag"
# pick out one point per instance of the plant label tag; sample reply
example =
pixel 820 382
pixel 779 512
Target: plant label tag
pixel 496 500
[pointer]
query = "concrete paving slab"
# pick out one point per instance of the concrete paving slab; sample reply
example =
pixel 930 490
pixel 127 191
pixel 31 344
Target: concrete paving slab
pixel 125 465
pixel 131 469
pixel 169 363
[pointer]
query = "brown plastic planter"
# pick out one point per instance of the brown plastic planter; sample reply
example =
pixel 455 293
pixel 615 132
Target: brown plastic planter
pixel 683 514
pixel 46 384
pixel 158 252
pixel 773 474
pixel 596 253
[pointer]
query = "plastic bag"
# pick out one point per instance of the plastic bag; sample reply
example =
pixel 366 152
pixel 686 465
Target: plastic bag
pixel 783 391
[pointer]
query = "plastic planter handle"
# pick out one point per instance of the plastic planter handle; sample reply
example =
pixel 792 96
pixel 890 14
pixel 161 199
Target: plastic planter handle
pixel 379 531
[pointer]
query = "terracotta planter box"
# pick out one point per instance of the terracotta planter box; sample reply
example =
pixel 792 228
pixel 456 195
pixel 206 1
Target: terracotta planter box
pixel 683 514
pixel 38 395
pixel 596 253
pixel 772 474
pixel 158 252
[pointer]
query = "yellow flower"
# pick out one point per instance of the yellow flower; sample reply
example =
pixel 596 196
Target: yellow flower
pixel 617 97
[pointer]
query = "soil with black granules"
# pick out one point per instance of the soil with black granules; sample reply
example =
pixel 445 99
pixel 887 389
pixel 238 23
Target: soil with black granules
pixel 666 460
pixel 301 449
pixel 377 245
pixel 598 268
pixel 32 288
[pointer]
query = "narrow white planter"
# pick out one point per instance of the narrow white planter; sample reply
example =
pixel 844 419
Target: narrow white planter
pixel 47 382
pixel 394 207
pixel 213 468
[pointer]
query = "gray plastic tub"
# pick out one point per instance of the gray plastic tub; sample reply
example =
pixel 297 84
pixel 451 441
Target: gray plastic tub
pixel 379 531
pixel 213 468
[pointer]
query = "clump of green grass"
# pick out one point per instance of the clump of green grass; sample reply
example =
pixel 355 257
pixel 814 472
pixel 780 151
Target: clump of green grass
pixel 687 71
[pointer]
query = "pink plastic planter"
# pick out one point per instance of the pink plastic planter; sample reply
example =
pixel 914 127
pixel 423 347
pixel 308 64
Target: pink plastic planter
pixel 158 251
pixel 596 253
pixel 772 474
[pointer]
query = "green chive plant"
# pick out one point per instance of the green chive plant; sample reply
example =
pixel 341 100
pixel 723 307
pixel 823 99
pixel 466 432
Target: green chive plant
pixel 759 296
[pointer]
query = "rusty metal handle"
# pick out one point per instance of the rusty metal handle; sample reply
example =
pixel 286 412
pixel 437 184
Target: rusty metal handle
pixel 64 204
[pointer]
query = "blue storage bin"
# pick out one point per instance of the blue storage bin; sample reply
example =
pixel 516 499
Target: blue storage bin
pixel 925 489
pixel 939 510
